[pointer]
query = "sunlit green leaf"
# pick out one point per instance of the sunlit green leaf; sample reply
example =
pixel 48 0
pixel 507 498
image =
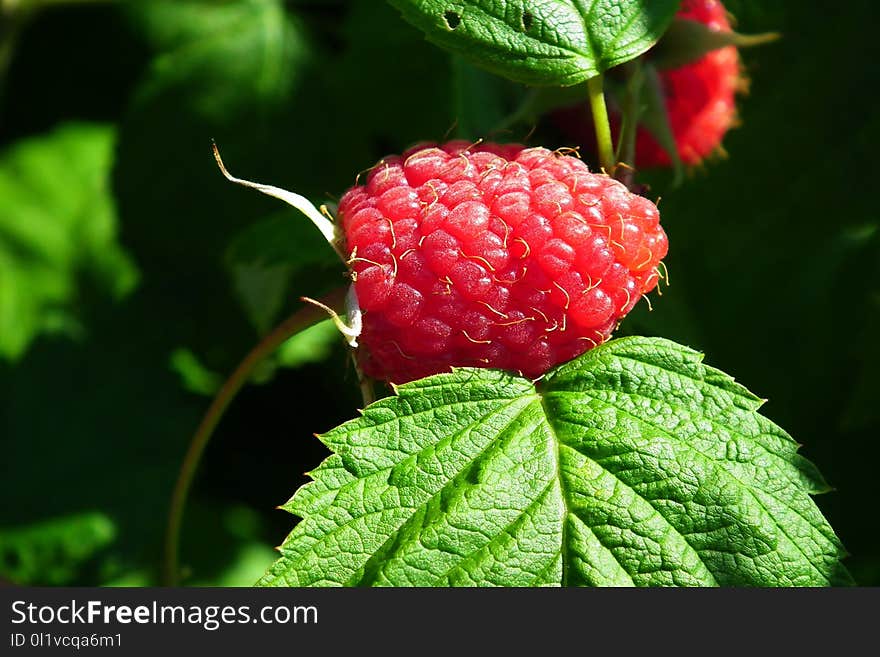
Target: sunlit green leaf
pixel 634 464
pixel 551 42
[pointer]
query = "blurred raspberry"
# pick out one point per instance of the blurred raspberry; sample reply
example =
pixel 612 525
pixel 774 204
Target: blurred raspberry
pixel 700 100
pixel 700 97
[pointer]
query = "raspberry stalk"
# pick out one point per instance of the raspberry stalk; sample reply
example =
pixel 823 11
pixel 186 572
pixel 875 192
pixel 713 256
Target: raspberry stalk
pixel 601 123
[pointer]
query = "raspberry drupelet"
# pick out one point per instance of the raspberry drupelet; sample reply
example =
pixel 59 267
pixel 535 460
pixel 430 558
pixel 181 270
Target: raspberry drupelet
pixel 495 256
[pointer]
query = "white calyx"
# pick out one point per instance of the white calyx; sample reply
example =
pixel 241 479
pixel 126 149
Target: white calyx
pixel 353 329
pixel 301 203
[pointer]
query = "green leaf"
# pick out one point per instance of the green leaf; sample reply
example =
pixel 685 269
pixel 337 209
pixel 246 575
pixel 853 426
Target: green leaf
pixel 634 464
pixel 220 56
pixel 52 552
pixel 57 233
pixel 552 42
pixel 310 346
pixel 194 376
pixel 687 41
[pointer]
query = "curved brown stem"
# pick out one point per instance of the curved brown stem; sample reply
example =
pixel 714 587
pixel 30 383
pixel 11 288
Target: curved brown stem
pixel 305 317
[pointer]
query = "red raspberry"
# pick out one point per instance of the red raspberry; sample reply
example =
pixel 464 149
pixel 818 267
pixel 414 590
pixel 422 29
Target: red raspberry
pixel 493 256
pixel 700 96
pixel 700 99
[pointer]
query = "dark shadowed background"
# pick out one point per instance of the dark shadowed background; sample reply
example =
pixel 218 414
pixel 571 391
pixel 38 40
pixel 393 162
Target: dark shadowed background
pixel 133 277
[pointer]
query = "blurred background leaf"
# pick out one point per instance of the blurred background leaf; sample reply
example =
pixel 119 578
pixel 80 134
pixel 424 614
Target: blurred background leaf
pixel 264 259
pixel 54 551
pixel 57 225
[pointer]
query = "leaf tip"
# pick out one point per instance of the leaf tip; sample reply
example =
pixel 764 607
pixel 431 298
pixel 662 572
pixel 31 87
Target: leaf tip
pixel 750 40
pixel 322 437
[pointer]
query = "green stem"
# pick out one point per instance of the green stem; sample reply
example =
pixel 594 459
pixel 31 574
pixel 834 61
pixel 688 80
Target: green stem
pixel 300 320
pixel 600 121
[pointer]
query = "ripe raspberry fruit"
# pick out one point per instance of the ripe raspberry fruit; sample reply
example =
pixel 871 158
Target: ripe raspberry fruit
pixel 493 256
